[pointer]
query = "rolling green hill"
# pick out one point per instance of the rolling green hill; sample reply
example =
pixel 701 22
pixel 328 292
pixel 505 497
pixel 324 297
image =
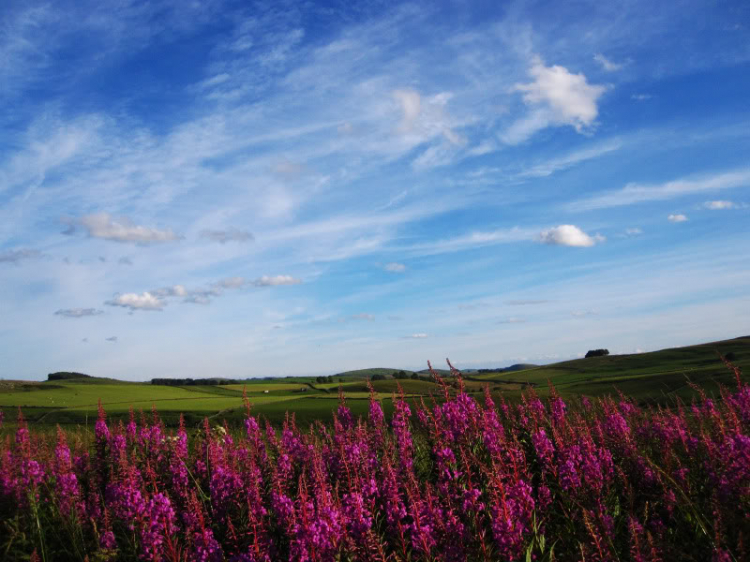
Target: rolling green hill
pixel 648 377
pixel 365 374
pixel 657 377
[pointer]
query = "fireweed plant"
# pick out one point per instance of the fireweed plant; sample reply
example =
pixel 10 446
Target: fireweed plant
pixel 451 479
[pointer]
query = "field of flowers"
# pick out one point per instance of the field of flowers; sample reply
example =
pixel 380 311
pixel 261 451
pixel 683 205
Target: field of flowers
pixel 452 479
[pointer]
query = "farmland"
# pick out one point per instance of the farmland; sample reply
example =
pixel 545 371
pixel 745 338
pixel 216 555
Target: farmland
pixel 467 478
pixel 648 378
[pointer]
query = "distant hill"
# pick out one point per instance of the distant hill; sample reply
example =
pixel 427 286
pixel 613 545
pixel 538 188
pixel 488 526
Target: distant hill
pixel 368 373
pixel 68 376
pixel 518 367
pixel 387 372
pixel 645 376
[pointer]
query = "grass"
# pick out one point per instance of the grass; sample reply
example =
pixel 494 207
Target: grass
pixel 656 377
pixel 646 377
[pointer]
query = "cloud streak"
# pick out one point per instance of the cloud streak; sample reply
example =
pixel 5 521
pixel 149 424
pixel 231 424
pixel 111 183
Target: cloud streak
pixel 104 226
pixel 720 205
pixel 17 256
pixel 224 236
pixel 634 193
pixel 135 301
pixel 78 312
pixel 607 64
pixel 395 267
pixel 156 299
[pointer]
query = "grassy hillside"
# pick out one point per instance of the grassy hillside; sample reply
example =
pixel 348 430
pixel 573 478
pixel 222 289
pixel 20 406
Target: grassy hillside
pixel 648 377
pixel 365 374
pixel 656 377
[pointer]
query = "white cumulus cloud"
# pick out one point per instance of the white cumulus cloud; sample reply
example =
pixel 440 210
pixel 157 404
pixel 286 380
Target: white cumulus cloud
pixel 569 235
pixel 106 227
pixel 677 218
pixel 134 301
pixel 558 97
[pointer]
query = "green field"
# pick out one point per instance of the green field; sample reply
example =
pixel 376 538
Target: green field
pixel 656 378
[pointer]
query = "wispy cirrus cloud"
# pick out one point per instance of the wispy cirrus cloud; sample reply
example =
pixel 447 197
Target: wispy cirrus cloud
pixel 526 302
pixel 473 240
pixel 677 218
pixel 275 281
pixel 637 193
pixel 104 226
pixel 511 320
pixel 607 64
pixel 571 159
pixel 362 316
pixel 720 205
pixel 395 267
pixel 348 146
pixel 78 312
pixel 224 236
pixel 17 256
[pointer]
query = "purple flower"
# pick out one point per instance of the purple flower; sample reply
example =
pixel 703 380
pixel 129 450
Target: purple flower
pixel 557 409
pixel 160 522
pixel 206 548
pixel 544 448
pixel 107 541
pixel 376 413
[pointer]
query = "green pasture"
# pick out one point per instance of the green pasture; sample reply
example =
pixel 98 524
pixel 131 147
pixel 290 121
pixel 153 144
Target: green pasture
pixel 271 387
pixel 657 377
pixel 72 395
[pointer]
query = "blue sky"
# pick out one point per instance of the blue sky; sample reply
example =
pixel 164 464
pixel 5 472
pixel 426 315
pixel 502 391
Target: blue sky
pixel 234 189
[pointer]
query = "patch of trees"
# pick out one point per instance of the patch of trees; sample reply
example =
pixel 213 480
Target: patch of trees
pixel 192 382
pixel 597 353
pixel 64 375
pixel 731 356
pixel 324 380
pixel 401 375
